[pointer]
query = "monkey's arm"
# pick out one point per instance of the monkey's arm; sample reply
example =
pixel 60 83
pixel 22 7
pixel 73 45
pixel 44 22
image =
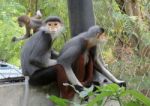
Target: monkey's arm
pixel 53 55
pixel 66 59
pixel 27 35
pixel 100 66
pixel 41 59
pixel 71 76
pixel 41 64
pixel 40 54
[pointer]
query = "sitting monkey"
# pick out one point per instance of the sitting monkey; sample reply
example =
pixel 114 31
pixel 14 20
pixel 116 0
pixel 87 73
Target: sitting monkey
pixel 78 62
pixel 36 55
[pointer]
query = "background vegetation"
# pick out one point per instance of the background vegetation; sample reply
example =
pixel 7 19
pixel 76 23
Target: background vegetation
pixel 127 24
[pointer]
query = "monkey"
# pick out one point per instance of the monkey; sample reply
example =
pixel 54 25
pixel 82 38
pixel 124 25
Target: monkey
pixel 36 54
pixel 30 23
pixel 79 61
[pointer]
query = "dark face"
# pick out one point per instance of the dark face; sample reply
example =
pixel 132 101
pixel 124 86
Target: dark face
pixel 21 24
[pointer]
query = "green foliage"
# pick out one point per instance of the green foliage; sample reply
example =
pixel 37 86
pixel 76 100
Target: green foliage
pixel 58 101
pixel 112 91
pixel 10 10
pixel 57 8
pixel 9 28
pixel 109 16
pixel 139 96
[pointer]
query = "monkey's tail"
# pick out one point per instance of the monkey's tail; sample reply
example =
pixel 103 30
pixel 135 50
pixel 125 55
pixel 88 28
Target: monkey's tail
pixel 26 92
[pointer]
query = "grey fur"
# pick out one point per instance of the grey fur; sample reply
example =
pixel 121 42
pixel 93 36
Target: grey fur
pixel 73 48
pixel 76 46
pixel 36 52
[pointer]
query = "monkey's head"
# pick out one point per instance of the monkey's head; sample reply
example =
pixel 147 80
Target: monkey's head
pixel 54 25
pixel 23 20
pixel 95 35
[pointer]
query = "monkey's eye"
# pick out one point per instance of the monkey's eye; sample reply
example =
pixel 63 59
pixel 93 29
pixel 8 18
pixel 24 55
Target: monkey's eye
pixel 55 24
pixel 49 24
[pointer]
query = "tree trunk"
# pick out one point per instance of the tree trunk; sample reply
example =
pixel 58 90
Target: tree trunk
pixel 33 6
pixel 130 7
pixel 81 15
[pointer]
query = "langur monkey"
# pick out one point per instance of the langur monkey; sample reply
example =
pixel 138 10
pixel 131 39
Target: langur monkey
pixel 37 55
pixel 79 61
pixel 36 52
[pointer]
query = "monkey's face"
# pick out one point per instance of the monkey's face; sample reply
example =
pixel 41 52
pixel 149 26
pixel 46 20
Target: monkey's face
pixel 54 27
pixel 99 38
pixel 21 24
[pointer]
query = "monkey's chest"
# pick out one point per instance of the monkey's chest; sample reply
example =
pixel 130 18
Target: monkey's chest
pixel 86 57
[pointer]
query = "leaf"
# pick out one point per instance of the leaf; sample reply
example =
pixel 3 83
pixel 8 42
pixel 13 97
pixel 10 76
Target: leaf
pixel 58 101
pixel 114 88
pixel 98 98
pixel 139 96
pixel 132 103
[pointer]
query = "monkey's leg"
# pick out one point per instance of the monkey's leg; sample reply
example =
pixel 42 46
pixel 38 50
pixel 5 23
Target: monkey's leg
pixel 43 76
pixel 100 79
pixel 71 76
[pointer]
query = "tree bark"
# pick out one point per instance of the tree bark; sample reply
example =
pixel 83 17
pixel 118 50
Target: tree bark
pixel 81 15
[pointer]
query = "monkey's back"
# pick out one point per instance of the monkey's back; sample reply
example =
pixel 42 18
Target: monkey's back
pixel 27 68
pixel 39 44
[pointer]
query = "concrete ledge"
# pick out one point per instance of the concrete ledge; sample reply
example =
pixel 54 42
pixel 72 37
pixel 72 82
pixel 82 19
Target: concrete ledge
pixel 12 95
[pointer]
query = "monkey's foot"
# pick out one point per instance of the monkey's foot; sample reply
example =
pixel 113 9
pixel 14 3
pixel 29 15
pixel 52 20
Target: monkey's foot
pixel 82 91
pixel 122 84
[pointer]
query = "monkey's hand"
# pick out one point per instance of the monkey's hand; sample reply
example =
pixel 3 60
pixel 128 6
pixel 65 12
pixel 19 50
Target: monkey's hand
pixel 14 39
pixel 51 62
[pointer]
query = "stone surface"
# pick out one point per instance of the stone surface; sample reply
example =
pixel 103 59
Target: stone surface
pixel 13 94
pixel 112 103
